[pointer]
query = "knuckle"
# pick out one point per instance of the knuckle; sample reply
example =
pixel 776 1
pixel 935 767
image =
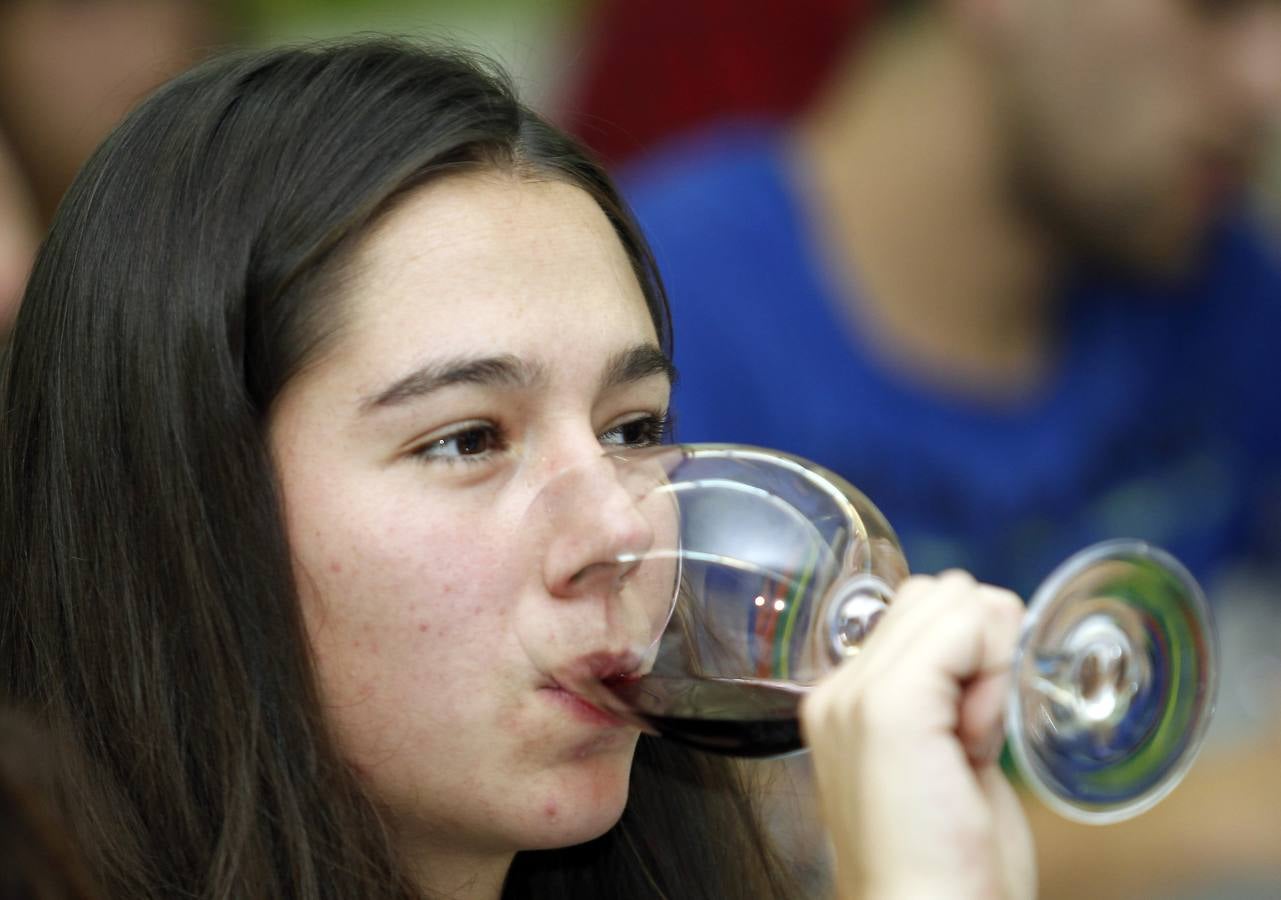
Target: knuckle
pixel 915 584
pixel 1004 602
pixel 875 713
pixel 956 578
pixel 836 705
pixel 814 706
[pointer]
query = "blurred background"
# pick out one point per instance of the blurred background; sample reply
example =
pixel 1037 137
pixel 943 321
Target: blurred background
pixel 697 104
pixel 624 75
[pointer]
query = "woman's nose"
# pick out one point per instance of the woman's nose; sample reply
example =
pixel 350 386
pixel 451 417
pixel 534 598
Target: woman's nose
pixel 597 529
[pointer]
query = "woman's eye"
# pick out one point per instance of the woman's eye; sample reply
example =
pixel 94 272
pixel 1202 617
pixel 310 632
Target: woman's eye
pixel 467 444
pixel 643 432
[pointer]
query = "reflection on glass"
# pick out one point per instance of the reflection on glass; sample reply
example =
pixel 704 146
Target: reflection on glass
pixel 782 569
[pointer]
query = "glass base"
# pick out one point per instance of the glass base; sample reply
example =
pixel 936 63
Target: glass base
pixel 1114 682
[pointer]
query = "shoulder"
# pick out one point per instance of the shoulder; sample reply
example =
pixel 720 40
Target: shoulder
pixel 1242 255
pixel 1236 295
pixel 1236 279
pixel 1245 240
pixel 720 211
pixel 729 175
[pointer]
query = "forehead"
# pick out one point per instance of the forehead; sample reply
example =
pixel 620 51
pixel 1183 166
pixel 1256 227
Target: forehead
pixel 492 261
pixel 492 226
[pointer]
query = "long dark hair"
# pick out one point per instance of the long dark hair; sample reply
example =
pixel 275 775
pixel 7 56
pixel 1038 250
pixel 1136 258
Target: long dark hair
pixel 150 615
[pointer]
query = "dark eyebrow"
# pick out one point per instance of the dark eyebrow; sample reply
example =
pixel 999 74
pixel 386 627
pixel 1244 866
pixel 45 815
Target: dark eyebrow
pixel 637 363
pixel 631 365
pixel 504 370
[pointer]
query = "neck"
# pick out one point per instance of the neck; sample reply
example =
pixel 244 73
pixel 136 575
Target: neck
pixel 905 170
pixel 460 875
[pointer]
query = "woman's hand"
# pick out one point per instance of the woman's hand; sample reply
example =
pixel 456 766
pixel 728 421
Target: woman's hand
pixel 905 741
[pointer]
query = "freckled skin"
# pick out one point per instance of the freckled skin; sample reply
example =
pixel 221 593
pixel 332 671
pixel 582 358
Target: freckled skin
pixel 423 590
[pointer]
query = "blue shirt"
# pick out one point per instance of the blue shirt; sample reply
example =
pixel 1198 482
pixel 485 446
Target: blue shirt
pixel 1161 420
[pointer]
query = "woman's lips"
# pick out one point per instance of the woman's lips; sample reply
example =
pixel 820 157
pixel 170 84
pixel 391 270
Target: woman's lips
pixel 581 709
pixel 578 685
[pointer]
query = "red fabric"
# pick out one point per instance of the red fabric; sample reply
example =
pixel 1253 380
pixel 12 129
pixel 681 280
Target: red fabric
pixel 656 67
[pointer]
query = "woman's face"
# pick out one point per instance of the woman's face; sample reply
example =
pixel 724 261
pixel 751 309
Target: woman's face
pixel 494 338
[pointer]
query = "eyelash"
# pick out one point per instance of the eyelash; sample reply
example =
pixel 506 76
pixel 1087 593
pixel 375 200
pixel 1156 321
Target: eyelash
pixel 434 450
pixel 650 429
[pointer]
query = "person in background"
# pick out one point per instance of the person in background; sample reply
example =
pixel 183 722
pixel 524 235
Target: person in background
pixel 1000 276
pixel 68 73
pixel 972 279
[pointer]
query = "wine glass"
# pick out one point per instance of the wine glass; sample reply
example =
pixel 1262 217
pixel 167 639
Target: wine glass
pixel 778 570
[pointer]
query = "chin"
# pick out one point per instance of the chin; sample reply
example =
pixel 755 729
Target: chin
pixel 583 804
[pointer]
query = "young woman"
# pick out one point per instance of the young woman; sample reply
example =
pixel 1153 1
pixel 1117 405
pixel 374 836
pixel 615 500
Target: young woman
pixel 311 332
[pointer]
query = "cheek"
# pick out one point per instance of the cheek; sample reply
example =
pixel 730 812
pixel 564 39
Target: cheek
pixel 410 674
pixel 381 554
pixel 427 690
pixel 385 604
pixel 395 605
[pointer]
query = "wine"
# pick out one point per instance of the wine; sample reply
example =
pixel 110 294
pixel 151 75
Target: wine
pixel 731 716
